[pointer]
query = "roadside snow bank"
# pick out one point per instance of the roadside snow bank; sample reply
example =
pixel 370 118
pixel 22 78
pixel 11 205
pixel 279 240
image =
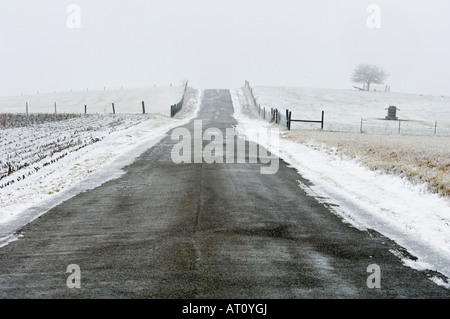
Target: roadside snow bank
pixel 416 219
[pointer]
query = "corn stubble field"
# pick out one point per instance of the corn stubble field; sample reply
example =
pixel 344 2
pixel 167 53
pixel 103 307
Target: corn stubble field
pixel 29 142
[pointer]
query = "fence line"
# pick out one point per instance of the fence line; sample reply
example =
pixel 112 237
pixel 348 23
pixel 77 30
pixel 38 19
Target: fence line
pixel 366 125
pixel 174 109
pixel 272 116
pixel 290 120
pixel 275 116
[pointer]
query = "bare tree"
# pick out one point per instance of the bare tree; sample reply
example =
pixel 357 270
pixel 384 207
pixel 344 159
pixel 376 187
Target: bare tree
pixel 368 74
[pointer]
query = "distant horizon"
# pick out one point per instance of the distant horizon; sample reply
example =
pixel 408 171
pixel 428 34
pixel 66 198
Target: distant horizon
pixel 118 88
pixel 53 45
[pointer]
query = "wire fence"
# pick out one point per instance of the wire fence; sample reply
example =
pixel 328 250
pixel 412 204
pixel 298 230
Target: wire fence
pixel 174 109
pixel 272 115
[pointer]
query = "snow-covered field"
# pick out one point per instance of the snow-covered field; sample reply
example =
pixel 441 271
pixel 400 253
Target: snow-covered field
pixel 344 109
pixel 408 213
pixel 157 100
pixel 26 150
pixel 47 163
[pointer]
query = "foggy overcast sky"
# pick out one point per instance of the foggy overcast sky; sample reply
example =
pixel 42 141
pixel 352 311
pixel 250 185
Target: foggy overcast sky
pixel 220 44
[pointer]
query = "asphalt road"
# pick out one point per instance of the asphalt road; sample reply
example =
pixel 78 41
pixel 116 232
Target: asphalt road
pixel 202 231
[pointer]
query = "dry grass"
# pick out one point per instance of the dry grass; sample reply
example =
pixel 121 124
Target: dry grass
pixel 421 159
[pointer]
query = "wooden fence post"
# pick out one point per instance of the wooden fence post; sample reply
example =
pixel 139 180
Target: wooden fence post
pixel 114 109
pixel 287 119
pixel 143 107
pixel 290 117
pixel 55 108
pixel 27 107
pixel 323 117
pixel 85 109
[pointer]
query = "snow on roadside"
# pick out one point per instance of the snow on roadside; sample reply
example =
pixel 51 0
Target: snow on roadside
pixel 83 169
pixel 416 219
